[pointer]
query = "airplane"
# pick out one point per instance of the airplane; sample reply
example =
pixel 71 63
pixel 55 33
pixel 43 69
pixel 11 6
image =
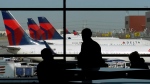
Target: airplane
pixel 21 43
pixel 50 28
pixel 75 32
pixel 72 36
pixel 18 39
pixel 78 41
pixel 46 28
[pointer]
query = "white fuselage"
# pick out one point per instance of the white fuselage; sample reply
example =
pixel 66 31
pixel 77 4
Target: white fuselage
pixel 75 49
pixel 101 42
pixel 72 36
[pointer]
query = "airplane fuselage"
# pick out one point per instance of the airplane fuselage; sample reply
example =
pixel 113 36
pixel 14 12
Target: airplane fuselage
pixel 115 42
pixel 75 49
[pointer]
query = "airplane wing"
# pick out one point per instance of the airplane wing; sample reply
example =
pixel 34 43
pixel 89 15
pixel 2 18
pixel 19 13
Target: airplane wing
pixel 47 46
pixel 8 47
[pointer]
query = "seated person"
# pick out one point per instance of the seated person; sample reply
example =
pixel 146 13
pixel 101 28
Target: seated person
pixel 139 63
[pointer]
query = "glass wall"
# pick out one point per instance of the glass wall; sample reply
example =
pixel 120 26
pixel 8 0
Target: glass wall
pixel 103 23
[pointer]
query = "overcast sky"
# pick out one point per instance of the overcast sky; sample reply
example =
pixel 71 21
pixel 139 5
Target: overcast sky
pixel 96 20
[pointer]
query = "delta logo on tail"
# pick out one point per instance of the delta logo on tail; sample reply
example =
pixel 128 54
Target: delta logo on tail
pixel 35 31
pixel 15 33
pixel 12 29
pixel 48 28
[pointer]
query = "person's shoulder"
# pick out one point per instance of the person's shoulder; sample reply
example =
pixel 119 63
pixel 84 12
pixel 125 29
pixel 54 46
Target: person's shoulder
pixel 95 42
pixel 40 64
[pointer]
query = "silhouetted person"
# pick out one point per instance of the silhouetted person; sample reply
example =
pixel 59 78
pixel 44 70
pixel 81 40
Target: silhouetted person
pixel 90 57
pixel 137 62
pixel 48 71
pixel 142 64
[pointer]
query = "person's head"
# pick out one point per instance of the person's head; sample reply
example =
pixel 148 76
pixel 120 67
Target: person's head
pixel 134 56
pixel 86 34
pixel 47 54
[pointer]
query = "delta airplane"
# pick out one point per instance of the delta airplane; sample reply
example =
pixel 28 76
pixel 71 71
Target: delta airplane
pixel 42 32
pixel 21 43
pixel 50 37
pixel 45 24
pixel 19 40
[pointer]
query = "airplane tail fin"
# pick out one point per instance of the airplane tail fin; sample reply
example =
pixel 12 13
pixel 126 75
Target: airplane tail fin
pixel 49 30
pixel 15 33
pixel 67 32
pixel 35 31
pixel 75 32
pixel 32 33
